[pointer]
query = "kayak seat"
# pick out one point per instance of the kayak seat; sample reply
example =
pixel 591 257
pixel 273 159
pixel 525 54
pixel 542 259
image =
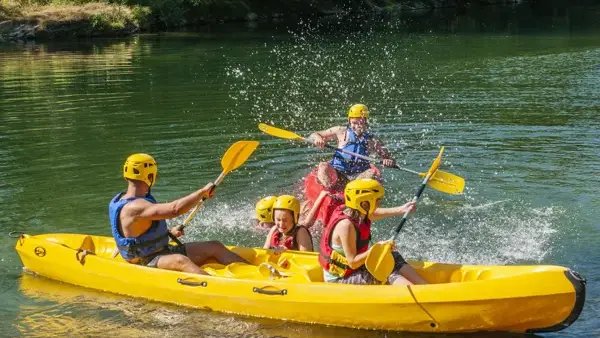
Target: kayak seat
pixel 312 273
pixel 87 247
pixel 469 275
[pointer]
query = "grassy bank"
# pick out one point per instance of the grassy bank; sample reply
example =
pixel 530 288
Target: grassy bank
pixel 30 19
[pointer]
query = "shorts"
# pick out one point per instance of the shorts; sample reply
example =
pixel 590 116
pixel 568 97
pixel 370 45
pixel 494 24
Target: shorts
pixel 362 276
pixel 152 259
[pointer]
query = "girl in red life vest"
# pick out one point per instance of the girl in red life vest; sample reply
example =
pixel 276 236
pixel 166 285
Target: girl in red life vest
pixel 287 234
pixel 345 242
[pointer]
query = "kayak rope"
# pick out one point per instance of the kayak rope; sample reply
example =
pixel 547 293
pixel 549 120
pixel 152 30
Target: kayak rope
pixel 15 234
pixel 434 323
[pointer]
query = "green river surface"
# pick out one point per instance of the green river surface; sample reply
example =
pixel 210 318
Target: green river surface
pixel 514 97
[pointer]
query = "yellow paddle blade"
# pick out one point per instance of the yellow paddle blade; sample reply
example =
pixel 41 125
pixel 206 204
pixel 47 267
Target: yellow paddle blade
pixel 436 163
pixel 446 182
pixel 277 132
pixel 237 154
pixel 380 261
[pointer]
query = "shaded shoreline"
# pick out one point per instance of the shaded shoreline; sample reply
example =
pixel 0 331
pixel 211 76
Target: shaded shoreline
pixel 100 19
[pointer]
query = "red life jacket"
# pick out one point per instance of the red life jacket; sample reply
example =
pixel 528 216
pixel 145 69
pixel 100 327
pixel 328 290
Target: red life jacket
pixel 290 241
pixel 331 260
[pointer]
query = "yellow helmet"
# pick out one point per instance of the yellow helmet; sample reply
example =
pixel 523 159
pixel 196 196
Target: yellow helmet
pixel 358 110
pixel 264 209
pixel 288 202
pixel 363 190
pixel 141 167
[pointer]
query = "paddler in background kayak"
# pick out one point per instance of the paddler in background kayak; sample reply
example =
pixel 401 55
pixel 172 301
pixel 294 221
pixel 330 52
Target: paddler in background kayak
pixel 345 242
pixel 355 138
pixel 287 233
pixel 139 224
pixel 264 211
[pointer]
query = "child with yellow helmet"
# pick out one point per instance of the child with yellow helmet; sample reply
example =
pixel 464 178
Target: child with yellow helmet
pixel 345 242
pixel 354 138
pixel 287 233
pixel 264 211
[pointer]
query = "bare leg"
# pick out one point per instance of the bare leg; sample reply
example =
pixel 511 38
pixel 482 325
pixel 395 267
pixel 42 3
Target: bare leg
pixel 201 252
pixel 401 281
pixel 326 175
pixel 369 173
pixel 411 274
pixel 179 262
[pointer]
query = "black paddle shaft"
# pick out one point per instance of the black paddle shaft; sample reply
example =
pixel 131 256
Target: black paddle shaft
pixel 398 227
pixel 367 158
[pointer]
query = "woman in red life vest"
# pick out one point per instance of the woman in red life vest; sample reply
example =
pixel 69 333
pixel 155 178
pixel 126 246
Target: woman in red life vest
pixel 287 234
pixel 345 242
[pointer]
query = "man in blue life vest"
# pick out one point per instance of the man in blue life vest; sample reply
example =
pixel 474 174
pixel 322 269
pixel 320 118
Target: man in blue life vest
pixel 140 230
pixel 353 138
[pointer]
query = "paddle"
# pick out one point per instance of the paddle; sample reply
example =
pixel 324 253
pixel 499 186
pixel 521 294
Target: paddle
pixel 380 262
pixel 233 158
pixel 441 180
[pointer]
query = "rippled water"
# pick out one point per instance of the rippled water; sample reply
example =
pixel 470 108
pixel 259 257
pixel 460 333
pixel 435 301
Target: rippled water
pixel 517 110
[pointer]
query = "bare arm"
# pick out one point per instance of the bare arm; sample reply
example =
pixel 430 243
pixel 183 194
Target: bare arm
pixel 380 213
pixel 378 147
pixel 304 240
pixel 347 235
pixel 320 137
pixel 144 210
pixel 328 134
pixel 309 219
pixel 267 244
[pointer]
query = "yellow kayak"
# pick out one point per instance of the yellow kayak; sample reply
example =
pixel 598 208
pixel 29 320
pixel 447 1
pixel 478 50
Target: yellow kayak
pixel 460 298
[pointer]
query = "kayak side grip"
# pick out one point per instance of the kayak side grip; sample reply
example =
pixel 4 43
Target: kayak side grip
pixel 190 283
pixel 269 292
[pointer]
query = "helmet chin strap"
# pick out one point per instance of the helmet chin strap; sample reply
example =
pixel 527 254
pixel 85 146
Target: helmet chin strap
pixel 150 186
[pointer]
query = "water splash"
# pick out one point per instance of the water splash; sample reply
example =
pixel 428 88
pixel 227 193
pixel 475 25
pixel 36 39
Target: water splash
pixel 493 233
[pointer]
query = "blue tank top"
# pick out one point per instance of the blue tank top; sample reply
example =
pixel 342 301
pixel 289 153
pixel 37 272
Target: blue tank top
pixel 348 164
pixel 156 237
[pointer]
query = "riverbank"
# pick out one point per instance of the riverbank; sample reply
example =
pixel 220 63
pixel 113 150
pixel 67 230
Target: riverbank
pixel 37 19
pixel 33 21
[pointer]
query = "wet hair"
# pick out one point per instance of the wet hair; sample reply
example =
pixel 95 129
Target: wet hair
pixel 354 214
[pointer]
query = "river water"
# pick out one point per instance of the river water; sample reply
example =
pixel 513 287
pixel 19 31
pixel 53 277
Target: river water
pixel 512 94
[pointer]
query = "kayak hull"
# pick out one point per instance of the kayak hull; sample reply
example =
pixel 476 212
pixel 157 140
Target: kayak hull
pixel 461 298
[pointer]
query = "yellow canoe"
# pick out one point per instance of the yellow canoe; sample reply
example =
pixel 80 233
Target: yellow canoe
pixel 460 298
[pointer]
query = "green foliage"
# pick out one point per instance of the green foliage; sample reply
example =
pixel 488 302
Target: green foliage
pixel 168 13
pixel 142 16
pixel 108 21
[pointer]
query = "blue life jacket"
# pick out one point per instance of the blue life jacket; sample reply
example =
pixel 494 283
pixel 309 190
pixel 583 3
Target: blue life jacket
pixel 156 237
pixel 348 164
